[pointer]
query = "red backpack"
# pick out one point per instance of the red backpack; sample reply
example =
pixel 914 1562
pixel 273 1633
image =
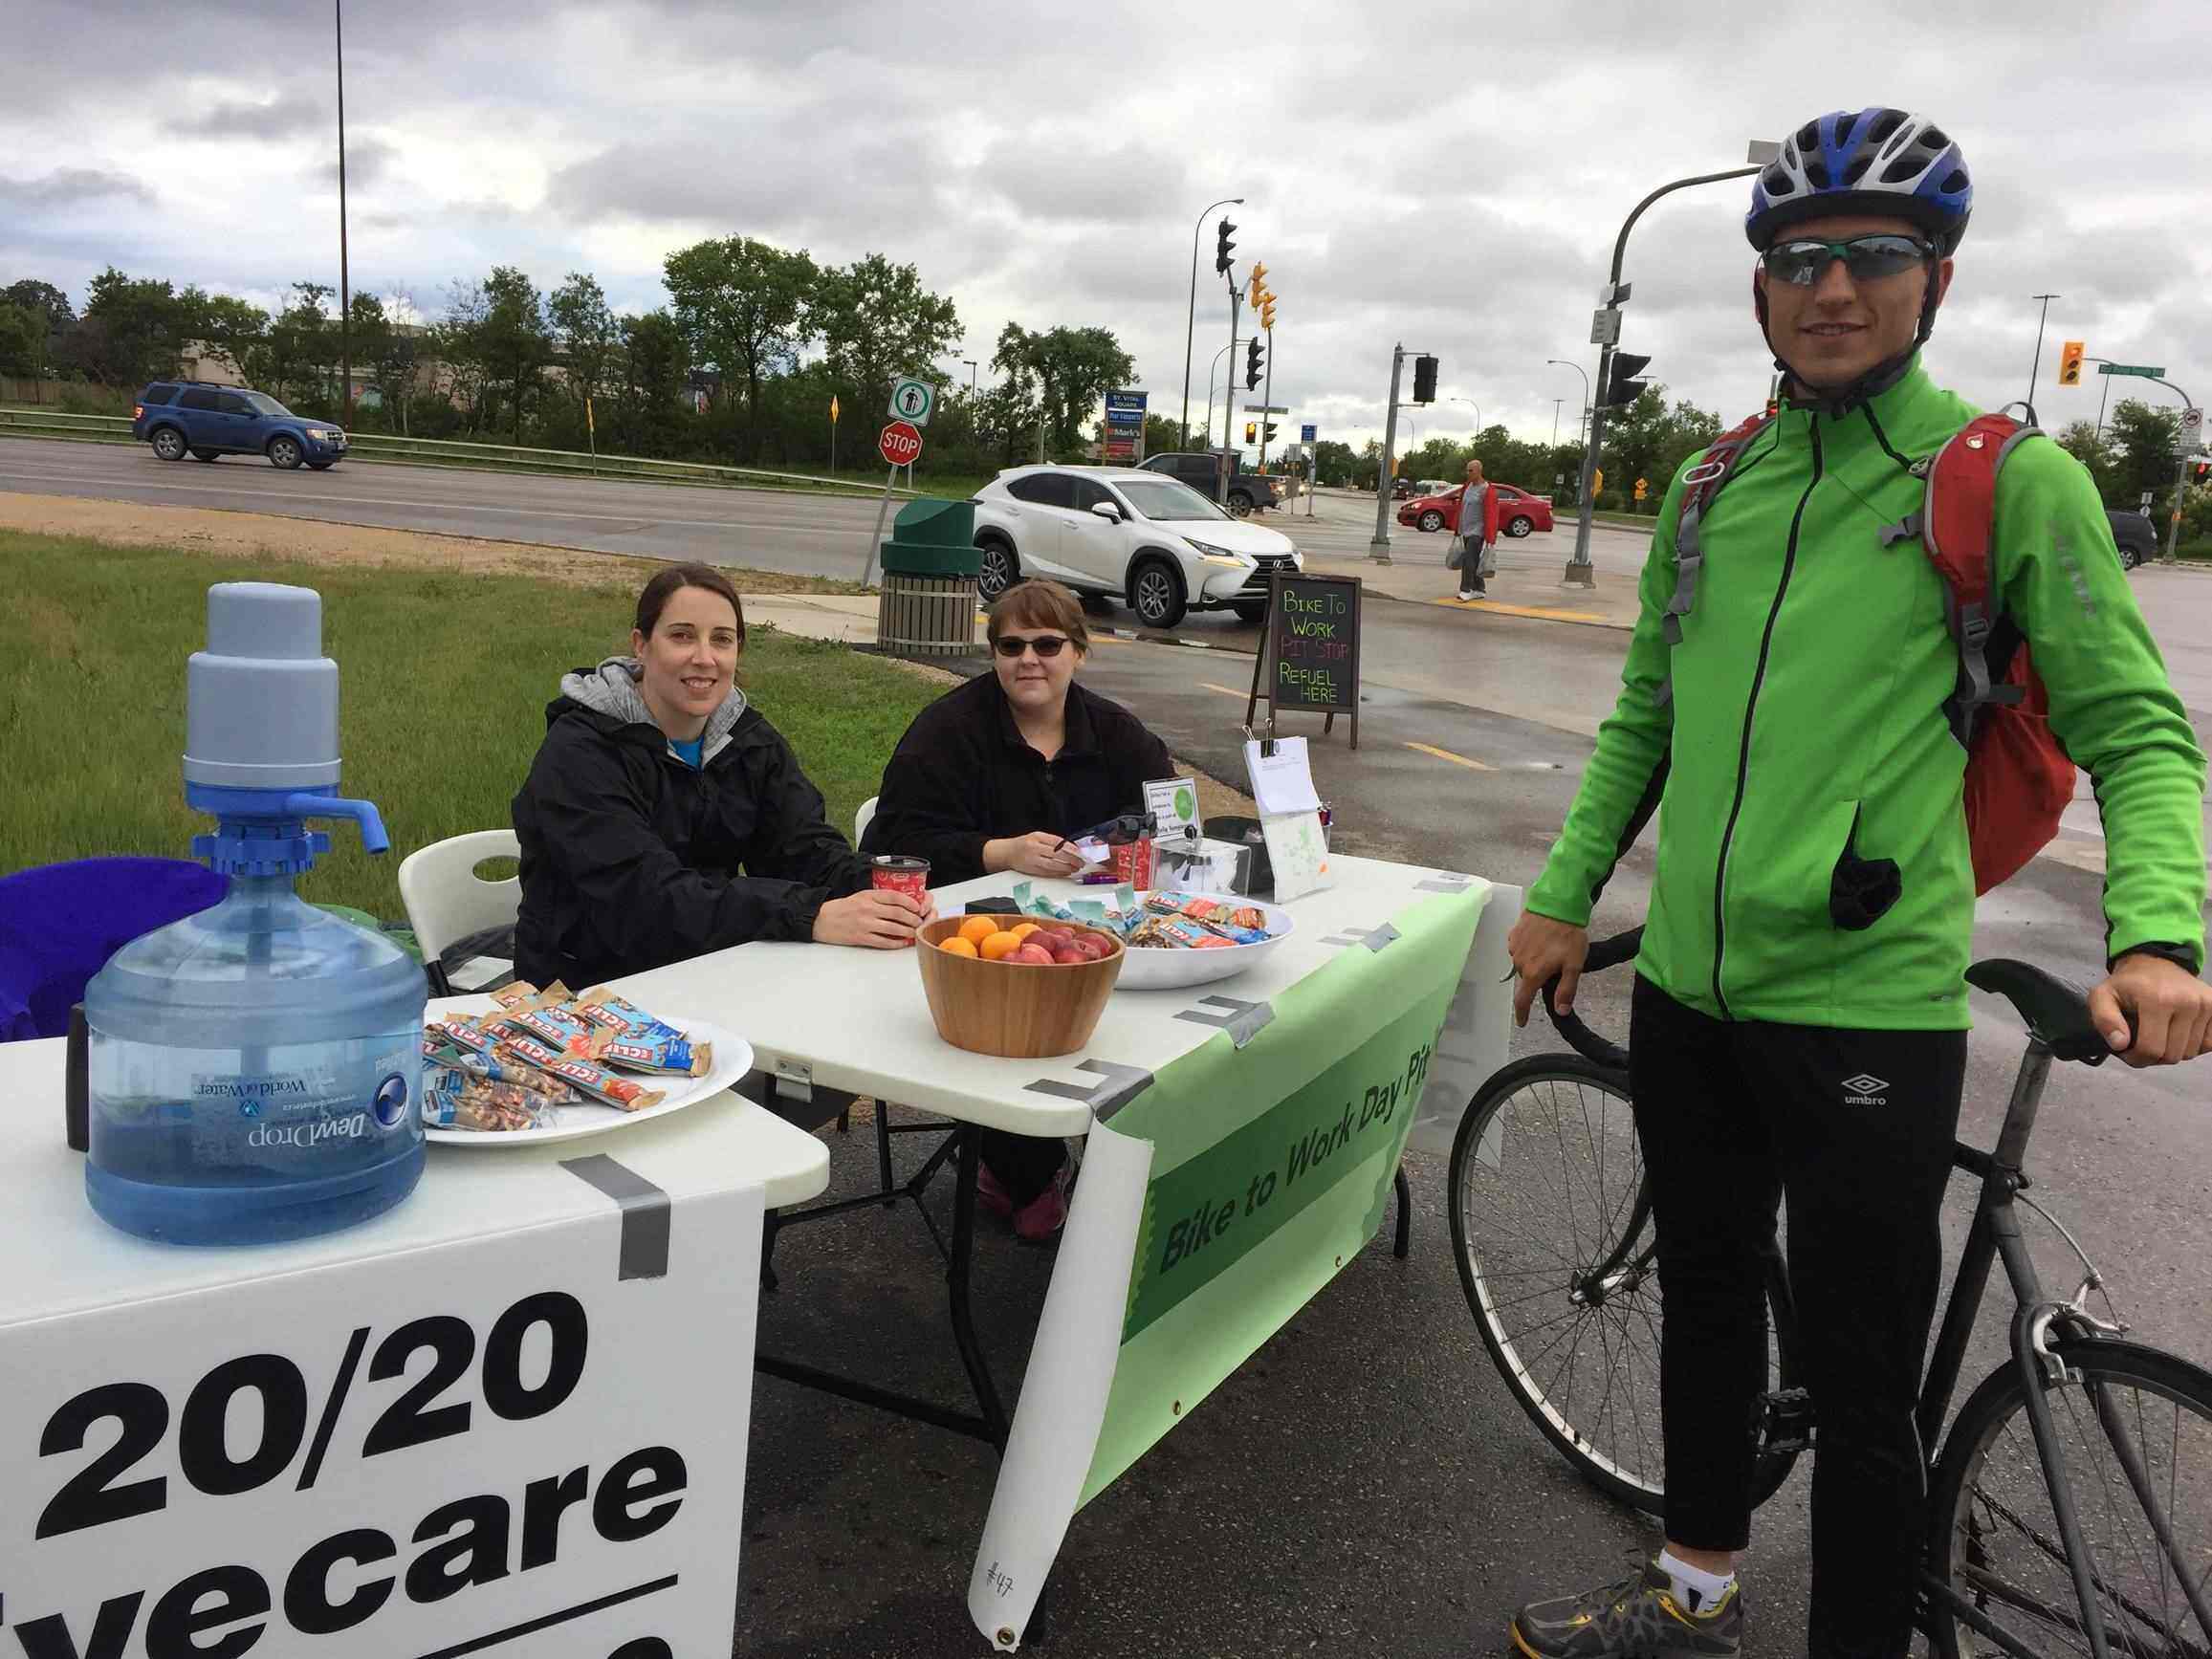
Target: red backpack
pixel 2019 777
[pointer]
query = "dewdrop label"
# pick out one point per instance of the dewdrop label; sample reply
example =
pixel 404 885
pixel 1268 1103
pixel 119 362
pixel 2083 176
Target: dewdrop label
pixel 295 1115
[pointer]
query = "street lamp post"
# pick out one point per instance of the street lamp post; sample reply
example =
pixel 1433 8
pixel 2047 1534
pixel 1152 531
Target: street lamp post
pixel 1579 572
pixel 1582 421
pixel 1212 369
pixel 1477 409
pixel 1555 403
pixel 1190 322
pixel 2035 368
pixel 970 364
pixel 345 282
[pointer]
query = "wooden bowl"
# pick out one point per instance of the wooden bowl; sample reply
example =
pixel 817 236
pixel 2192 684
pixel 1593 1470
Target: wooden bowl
pixel 1021 1010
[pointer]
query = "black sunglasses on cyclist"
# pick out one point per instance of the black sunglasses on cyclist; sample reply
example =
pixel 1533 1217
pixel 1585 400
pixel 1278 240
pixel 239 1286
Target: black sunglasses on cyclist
pixel 1804 262
pixel 1044 644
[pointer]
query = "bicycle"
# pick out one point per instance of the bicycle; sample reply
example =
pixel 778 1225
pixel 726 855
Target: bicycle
pixel 2070 1500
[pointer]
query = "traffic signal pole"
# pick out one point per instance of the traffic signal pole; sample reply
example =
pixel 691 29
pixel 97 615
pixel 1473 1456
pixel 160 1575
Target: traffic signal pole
pixel 1228 405
pixel 1379 549
pixel 1267 400
pixel 1580 573
pixel 2180 477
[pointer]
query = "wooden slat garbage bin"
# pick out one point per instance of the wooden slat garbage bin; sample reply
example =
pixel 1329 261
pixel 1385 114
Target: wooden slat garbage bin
pixel 928 606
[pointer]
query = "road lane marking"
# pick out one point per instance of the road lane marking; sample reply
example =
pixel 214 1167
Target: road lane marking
pixel 1225 691
pixel 1447 754
pixel 1543 612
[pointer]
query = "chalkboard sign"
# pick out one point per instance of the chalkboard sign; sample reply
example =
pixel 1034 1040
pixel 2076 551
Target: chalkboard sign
pixel 1310 657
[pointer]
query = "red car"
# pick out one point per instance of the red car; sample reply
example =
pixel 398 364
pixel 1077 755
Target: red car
pixel 1517 512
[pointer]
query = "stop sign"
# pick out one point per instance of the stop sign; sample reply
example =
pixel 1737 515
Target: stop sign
pixel 899 444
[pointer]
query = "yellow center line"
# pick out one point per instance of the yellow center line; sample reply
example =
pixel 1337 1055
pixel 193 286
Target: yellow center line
pixel 1499 608
pixel 1455 759
pixel 1225 691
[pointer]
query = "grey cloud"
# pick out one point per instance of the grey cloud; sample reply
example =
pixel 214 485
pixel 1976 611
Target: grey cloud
pixel 367 160
pixel 71 186
pixel 280 117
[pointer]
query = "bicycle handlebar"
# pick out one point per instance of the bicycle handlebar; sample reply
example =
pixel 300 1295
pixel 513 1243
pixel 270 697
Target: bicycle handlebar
pixel 1604 954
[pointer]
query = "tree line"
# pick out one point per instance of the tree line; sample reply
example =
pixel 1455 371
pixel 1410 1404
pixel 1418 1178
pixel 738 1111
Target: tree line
pixel 740 366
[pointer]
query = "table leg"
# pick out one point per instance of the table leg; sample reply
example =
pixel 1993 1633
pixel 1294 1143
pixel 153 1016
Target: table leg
pixel 956 1274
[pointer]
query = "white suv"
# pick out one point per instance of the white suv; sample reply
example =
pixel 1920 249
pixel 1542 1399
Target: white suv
pixel 1124 533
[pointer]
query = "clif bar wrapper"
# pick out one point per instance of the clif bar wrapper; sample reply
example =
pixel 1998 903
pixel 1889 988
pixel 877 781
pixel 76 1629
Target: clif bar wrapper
pixel 460 1099
pixel 521 997
pixel 499 1068
pixel 595 1080
pixel 676 1056
pixel 601 1007
pixel 563 1029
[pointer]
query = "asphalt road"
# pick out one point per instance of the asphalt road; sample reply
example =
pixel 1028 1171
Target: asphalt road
pixel 1365 1485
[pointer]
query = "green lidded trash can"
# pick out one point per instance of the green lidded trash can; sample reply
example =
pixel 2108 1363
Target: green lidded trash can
pixel 928 608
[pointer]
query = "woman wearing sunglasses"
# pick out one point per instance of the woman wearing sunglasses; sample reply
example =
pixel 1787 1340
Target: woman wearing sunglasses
pixel 993 778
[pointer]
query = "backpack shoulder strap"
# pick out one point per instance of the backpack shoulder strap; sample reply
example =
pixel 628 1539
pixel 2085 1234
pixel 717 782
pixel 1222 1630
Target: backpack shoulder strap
pixel 1956 520
pixel 1700 486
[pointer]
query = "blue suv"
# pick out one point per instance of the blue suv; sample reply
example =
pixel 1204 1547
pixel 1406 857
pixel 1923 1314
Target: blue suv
pixel 204 420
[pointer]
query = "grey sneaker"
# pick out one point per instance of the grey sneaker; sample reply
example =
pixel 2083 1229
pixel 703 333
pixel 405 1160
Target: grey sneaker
pixel 1637 1618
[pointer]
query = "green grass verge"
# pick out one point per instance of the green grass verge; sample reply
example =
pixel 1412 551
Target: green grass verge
pixel 445 681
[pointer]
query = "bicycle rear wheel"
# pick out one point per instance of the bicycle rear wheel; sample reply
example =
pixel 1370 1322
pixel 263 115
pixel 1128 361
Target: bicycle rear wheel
pixel 2134 1428
pixel 1558 1258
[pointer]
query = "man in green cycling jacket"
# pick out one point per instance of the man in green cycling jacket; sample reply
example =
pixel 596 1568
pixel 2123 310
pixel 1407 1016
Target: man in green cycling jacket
pixel 1800 1016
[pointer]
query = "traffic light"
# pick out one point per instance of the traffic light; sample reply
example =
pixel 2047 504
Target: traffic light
pixel 1424 380
pixel 1252 431
pixel 2069 363
pixel 1252 361
pixel 1624 387
pixel 1258 283
pixel 1597 481
pixel 1223 247
pixel 1271 431
pixel 1267 312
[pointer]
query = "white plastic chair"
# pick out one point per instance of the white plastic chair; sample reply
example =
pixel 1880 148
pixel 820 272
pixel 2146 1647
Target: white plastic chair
pixel 863 818
pixel 446 900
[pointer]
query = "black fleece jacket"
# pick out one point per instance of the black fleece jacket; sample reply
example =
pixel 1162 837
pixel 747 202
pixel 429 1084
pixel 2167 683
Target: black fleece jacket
pixel 632 859
pixel 963 775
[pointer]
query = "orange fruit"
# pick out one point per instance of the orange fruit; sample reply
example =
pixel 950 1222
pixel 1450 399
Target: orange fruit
pixel 999 945
pixel 958 945
pixel 1023 931
pixel 977 929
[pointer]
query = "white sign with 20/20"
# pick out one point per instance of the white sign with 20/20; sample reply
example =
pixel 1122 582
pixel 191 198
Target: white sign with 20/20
pixel 531 1441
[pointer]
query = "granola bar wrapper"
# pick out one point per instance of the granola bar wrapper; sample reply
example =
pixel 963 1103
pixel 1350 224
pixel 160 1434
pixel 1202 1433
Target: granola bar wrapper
pixel 642 1042
pixel 596 1082
pixel 521 997
pixel 498 1068
pixel 460 1099
pixel 560 1027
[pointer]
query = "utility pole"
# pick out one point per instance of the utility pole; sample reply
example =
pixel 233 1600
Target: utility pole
pixel 1555 403
pixel 344 277
pixel 1267 399
pixel 1228 404
pixel 2181 473
pixel 1379 549
pixel 2036 367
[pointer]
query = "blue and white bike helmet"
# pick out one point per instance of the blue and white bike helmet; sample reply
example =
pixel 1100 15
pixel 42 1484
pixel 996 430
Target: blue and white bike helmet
pixel 1878 161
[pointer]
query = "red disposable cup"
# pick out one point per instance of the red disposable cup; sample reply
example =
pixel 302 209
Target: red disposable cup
pixel 899 874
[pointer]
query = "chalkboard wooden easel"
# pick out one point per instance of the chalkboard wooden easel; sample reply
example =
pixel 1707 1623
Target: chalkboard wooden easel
pixel 1309 657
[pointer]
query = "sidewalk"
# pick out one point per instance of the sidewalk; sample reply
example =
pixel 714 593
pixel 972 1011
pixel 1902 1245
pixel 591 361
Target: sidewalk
pixel 1525 585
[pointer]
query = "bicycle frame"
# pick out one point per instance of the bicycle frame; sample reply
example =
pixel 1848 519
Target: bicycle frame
pixel 1996 1235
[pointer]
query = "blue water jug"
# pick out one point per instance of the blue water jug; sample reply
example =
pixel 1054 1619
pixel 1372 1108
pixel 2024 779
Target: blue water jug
pixel 255 1071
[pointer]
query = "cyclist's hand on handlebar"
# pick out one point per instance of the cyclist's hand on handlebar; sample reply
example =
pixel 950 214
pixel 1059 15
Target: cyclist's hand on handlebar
pixel 2172 1008
pixel 1543 950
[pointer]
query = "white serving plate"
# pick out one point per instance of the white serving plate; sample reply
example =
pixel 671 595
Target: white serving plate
pixel 733 1060
pixel 1168 969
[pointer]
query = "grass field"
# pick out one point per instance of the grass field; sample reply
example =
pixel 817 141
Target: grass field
pixel 444 679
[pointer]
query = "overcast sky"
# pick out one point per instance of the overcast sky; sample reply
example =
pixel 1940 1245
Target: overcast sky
pixel 1451 176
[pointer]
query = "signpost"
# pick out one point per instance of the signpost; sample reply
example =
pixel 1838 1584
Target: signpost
pixel 1310 658
pixel 1309 435
pixel 2191 432
pixel 900 444
pixel 1124 442
pixel 2148 373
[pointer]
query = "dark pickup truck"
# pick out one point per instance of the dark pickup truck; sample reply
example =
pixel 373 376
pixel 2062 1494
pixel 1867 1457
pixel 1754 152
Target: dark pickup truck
pixel 1247 492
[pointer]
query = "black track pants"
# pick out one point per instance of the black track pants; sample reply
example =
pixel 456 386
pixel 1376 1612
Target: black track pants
pixel 1855 1129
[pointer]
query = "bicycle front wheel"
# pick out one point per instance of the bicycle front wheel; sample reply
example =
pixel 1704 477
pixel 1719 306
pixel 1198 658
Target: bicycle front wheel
pixel 2134 1429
